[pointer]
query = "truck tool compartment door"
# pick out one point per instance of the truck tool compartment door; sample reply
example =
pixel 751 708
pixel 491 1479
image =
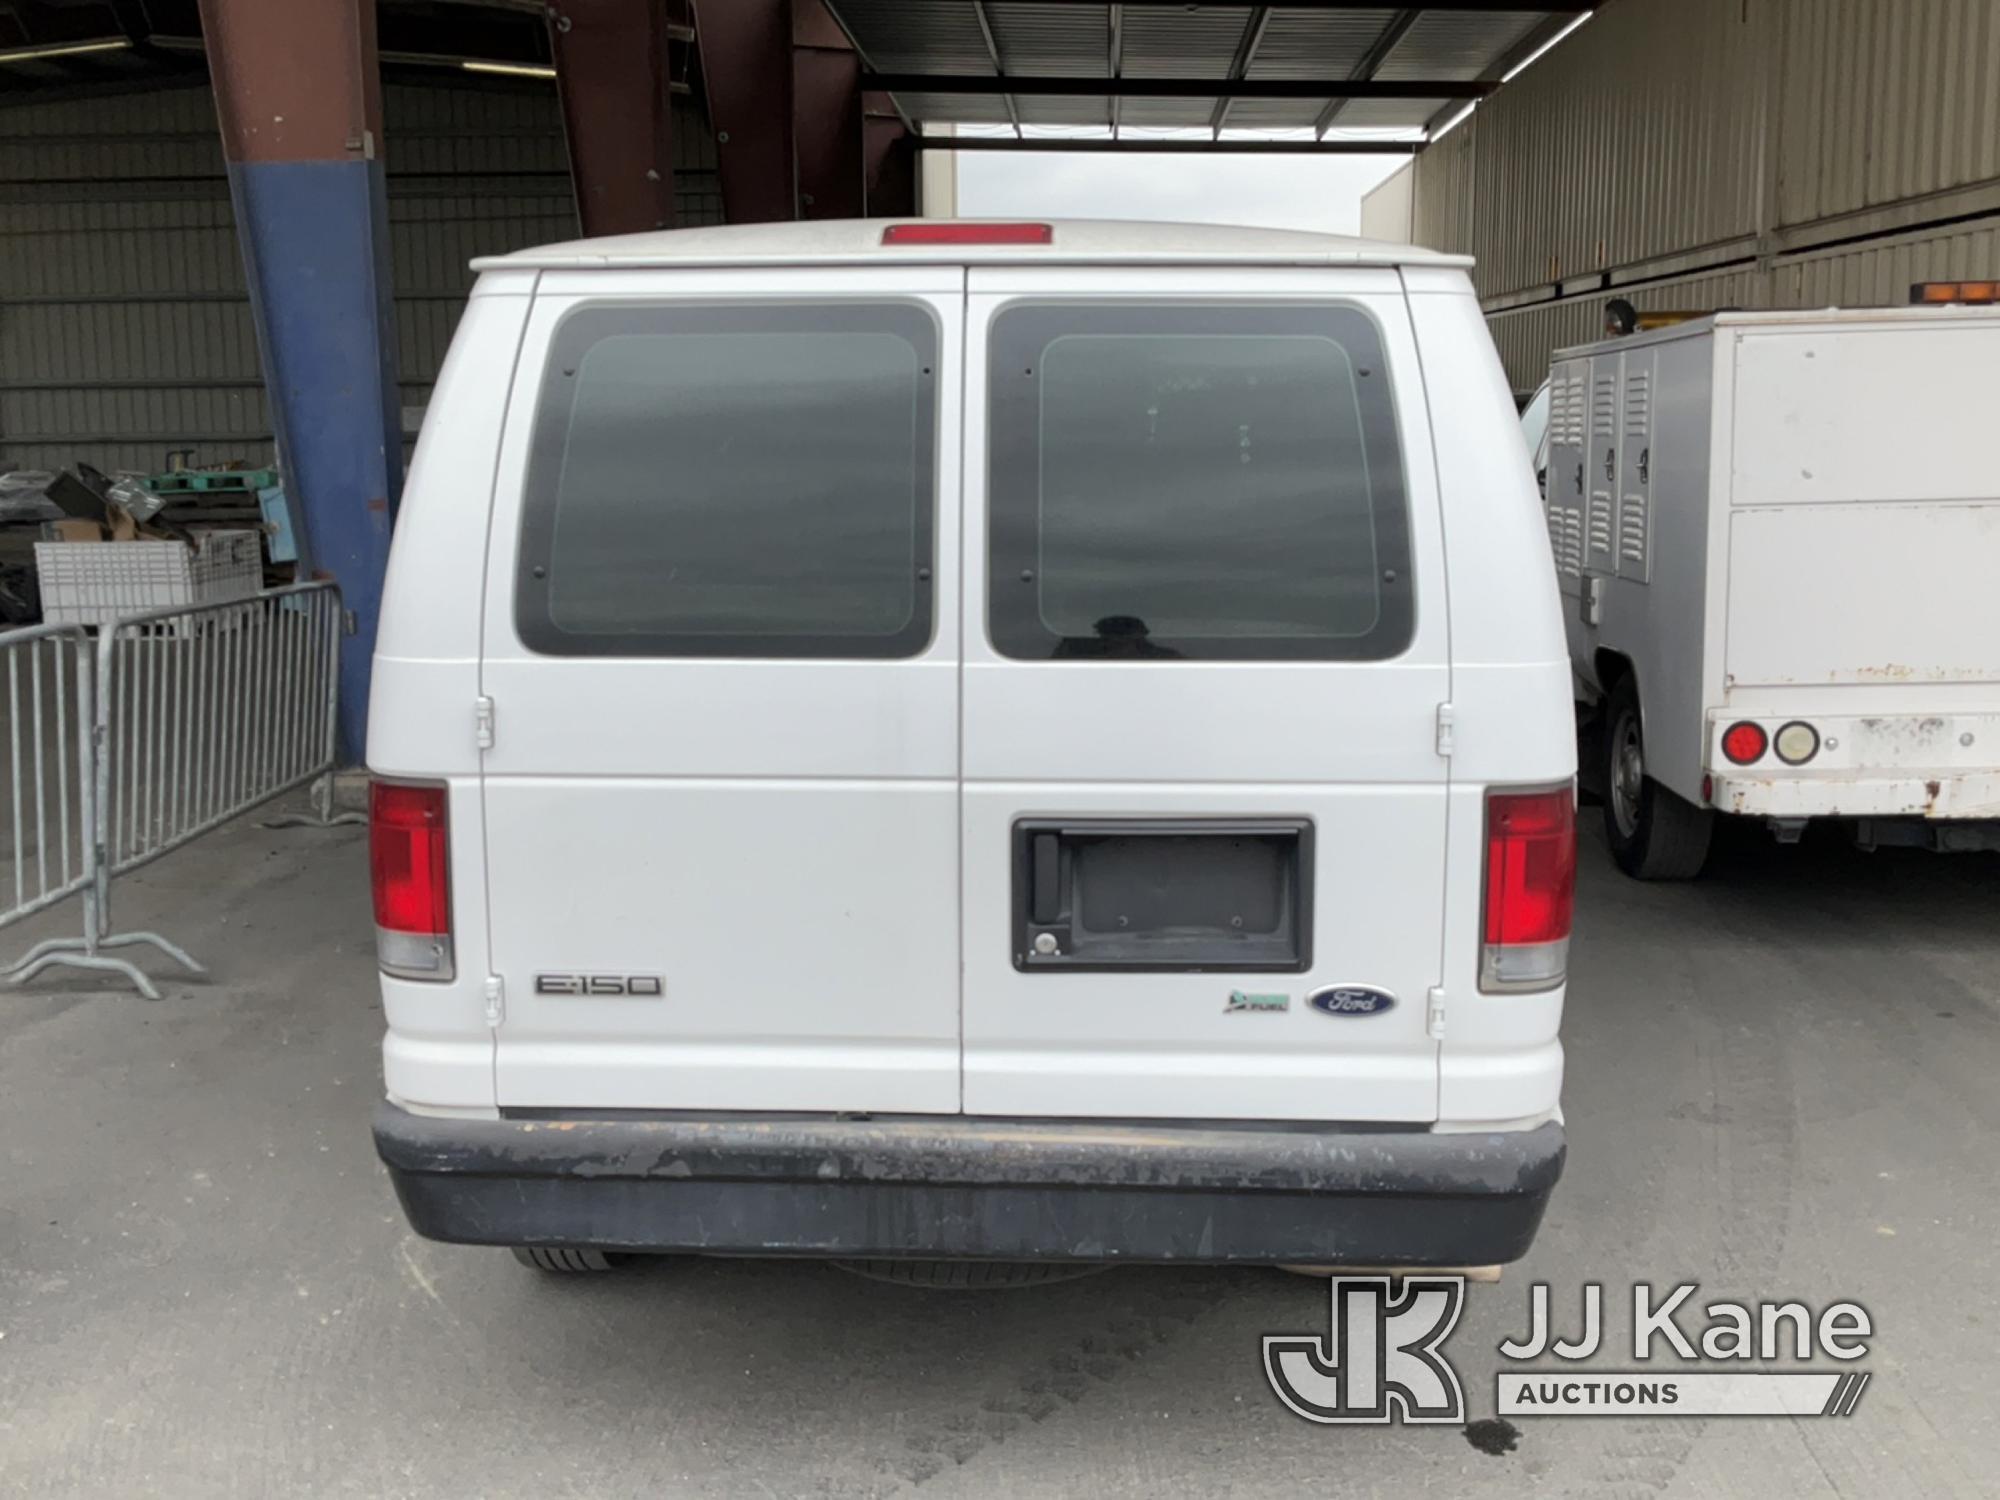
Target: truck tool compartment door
pixel 1863 529
pixel 721 794
pixel 1205 654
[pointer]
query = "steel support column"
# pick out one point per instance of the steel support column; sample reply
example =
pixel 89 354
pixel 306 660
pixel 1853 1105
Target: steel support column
pixel 891 159
pixel 826 116
pixel 298 95
pixel 746 62
pixel 784 96
pixel 611 71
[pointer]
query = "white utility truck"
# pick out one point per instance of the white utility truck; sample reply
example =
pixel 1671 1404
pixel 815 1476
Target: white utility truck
pixel 1777 536
pixel 935 742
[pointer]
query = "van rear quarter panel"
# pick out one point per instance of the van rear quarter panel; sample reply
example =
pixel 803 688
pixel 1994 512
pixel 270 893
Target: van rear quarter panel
pixel 439 1051
pixel 1500 1058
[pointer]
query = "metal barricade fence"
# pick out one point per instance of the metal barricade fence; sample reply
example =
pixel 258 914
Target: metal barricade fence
pixel 199 715
pixel 48 672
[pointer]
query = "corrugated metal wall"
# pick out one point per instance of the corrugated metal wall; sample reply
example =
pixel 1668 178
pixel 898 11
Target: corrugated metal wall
pixel 1636 138
pixel 125 331
pixel 1885 100
pixel 1696 153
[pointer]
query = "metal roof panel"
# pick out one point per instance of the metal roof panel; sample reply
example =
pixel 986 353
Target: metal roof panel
pixel 1074 242
pixel 1458 44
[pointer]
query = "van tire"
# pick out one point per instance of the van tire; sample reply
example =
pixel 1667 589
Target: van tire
pixel 1654 834
pixel 969 1275
pixel 566 1261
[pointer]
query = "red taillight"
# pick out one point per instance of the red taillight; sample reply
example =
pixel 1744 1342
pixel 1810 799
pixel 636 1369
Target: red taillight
pixel 1530 888
pixel 409 862
pixel 949 233
pixel 1744 742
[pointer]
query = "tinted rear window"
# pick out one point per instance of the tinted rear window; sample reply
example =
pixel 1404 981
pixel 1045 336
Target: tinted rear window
pixel 1203 482
pixel 733 481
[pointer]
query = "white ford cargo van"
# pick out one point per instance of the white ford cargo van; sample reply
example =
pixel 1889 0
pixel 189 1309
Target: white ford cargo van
pixel 951 740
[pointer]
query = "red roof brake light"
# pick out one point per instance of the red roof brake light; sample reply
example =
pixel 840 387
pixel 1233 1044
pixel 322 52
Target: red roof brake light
pixel 944 232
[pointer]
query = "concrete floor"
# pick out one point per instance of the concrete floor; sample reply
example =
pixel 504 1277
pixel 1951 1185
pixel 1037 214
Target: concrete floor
pixel 1784 1081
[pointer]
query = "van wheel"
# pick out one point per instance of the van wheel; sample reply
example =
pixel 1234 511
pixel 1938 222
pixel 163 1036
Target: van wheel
pixel 1654 834
pixel 545 1259
pixel 969 1275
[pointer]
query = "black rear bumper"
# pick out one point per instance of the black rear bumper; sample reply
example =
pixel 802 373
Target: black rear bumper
pixel 983 1188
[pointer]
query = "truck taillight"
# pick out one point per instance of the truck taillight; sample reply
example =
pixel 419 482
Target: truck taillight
pixel 1530 888
pixel 409 863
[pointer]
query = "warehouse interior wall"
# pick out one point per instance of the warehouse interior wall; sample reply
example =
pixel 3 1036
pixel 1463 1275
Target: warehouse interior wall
pixel 125 328
pixel 1695 154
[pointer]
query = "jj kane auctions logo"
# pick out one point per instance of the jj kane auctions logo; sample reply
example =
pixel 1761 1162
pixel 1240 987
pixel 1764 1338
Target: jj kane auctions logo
pixel 1382 1358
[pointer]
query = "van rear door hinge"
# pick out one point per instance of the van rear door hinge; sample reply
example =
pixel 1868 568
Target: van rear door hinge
pixel 1434 1013
pixel 1444 723
pixel 496 1001
pixel 482 721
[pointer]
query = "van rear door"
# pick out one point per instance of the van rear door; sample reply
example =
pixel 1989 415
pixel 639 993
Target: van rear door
pixel 1206 648
pixel 721 794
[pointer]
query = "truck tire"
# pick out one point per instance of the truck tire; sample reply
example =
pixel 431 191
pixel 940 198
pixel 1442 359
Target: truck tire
pixel 565 1261
pixel 969 1275
pixel 1654 834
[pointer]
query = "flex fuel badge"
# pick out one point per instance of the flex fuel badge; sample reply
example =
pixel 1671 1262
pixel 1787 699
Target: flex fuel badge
pixel 1239 1000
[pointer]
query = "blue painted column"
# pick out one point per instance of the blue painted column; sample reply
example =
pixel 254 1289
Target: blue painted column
pixel 298 97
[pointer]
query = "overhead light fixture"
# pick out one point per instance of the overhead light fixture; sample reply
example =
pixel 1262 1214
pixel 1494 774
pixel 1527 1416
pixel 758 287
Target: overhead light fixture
pixel 1449 125
pixel 1509 76
pixel 1529 61
pixel 68 49
pixel 510 70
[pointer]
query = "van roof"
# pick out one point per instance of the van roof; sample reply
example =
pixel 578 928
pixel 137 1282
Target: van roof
pixel 1073 242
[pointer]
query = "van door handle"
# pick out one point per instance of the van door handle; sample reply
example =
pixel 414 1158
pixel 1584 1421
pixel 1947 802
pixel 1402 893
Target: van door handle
pixel 1045 881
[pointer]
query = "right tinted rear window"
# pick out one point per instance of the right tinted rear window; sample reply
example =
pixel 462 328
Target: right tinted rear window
pixel 1219 482
pixel 732 481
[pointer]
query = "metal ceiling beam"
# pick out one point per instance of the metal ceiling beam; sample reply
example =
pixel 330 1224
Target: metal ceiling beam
pixel 1177 88
pixel 1472 6
pixel 1538 36
pixel 1371 61
pixel 1239 66
pixel 993 52
pixel 1196 146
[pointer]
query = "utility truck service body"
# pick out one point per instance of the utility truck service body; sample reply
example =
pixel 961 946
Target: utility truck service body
pixel 969 740
pixel 1777 536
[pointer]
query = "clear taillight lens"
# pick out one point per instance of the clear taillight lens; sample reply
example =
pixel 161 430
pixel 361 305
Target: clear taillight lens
pixel 1530 888
pixel 409 864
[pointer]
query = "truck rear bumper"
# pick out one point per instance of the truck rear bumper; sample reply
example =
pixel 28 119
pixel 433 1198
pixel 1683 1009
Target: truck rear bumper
pixel 1798 794
pixel 977 1188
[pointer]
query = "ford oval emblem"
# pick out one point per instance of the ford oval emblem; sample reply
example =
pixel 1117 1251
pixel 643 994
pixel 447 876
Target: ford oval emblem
pixel 1351 1000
